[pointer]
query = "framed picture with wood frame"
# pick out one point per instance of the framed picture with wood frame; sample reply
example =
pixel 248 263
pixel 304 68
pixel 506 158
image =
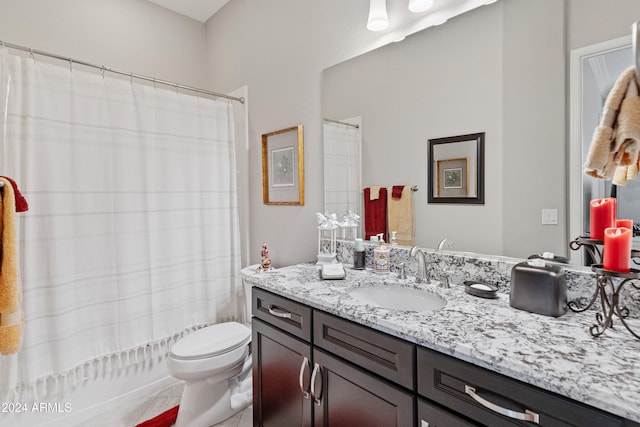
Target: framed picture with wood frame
pixel 456 169
pixel 283 167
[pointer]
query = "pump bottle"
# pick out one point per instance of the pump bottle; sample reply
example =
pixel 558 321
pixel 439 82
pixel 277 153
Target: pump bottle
pixel 381 257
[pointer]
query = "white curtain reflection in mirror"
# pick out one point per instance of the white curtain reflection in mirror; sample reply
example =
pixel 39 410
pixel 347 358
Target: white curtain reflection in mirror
pixel 343 166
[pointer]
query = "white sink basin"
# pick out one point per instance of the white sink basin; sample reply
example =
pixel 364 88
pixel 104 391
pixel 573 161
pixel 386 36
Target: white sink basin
pixel 397 297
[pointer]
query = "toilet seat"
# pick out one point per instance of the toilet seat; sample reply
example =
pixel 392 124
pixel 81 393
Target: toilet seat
pixel 211 341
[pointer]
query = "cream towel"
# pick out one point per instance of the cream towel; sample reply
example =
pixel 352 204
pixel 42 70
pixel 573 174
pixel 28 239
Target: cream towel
pixel 374 193
pixel 11 318
pixel 616 141
pixel 400 215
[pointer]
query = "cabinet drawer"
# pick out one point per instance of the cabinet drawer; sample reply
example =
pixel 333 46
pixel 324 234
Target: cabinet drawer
pixel 382 354
pixel 447 380
pixel 430 415
pixel 282 313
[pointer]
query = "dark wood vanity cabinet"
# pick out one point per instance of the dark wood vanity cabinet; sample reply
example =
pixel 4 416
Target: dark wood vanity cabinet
pixel 311 368
pixel 297 382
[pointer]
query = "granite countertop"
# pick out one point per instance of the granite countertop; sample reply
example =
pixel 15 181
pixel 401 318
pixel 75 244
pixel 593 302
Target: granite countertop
pixel 555 354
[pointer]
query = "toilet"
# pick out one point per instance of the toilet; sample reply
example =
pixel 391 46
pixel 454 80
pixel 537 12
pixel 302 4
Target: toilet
pixel 215 363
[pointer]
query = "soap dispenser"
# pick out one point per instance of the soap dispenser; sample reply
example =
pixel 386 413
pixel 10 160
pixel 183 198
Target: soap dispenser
pixel 381 257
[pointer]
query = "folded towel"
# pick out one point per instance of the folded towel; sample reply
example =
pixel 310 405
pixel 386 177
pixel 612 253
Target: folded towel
pixel 11 317
pixel 616 141
pixel 375 213
pixel 400 213
pixel 21 202
pixel 375 193
pixel 396 191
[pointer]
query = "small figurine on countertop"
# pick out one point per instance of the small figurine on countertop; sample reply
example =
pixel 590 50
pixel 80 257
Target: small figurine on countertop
pixel 265 261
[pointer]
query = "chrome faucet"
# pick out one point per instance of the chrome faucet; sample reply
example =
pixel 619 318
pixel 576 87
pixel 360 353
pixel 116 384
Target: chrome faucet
pixel 421 275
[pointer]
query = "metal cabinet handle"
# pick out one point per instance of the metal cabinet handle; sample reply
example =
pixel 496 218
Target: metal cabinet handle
pixel 526 416
pixel 316 397
pixel 303 367
pixel 278 312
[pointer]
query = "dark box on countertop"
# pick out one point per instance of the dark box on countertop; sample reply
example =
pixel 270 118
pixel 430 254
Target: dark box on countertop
pixel 539 287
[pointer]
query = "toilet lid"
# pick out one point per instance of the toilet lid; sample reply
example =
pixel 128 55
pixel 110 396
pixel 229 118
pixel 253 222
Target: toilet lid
pixel 212 341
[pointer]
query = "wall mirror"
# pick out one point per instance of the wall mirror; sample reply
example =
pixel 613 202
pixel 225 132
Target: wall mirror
pixel 456 169
pixel 283 167
pixel 424 87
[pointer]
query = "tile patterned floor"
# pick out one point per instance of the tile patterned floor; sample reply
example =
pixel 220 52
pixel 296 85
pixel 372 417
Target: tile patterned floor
pixel 144 408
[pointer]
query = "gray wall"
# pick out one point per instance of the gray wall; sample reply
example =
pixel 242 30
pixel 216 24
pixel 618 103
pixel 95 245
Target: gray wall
pixel 130 35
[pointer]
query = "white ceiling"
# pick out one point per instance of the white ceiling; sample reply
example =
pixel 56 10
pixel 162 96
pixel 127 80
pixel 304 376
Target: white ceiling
pixel 200 10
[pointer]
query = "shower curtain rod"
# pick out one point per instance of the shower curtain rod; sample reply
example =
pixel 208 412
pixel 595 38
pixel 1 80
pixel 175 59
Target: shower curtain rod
pixel 342 123
pixel 72 61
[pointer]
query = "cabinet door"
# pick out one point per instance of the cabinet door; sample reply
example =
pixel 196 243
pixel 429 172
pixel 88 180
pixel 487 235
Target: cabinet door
pixel 281 376
pixel 346 396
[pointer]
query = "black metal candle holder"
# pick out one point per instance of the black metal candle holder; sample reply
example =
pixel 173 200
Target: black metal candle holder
pixel 608 290
pixel 592 246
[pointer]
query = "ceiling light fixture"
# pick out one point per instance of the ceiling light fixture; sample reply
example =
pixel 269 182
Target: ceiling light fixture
pixel 378 19
pixel 418 6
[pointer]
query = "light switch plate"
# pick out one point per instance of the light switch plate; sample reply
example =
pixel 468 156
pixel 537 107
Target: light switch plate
pixel 549 216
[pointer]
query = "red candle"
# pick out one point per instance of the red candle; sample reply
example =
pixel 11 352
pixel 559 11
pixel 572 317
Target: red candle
pixel 603 213
pixel 617 249
pixel 624 223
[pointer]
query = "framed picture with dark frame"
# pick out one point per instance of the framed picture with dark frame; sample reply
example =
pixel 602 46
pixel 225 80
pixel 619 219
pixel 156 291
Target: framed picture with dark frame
pixel 456 169
pixel 283 167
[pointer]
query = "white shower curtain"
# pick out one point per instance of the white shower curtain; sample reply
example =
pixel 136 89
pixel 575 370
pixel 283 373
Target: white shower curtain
pixel 342 156
pixel 132 235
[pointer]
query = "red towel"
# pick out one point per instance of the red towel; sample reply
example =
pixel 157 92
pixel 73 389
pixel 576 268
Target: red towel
pixel 21 202
pixel 165 419
pixel 396 191
pixel 375 214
